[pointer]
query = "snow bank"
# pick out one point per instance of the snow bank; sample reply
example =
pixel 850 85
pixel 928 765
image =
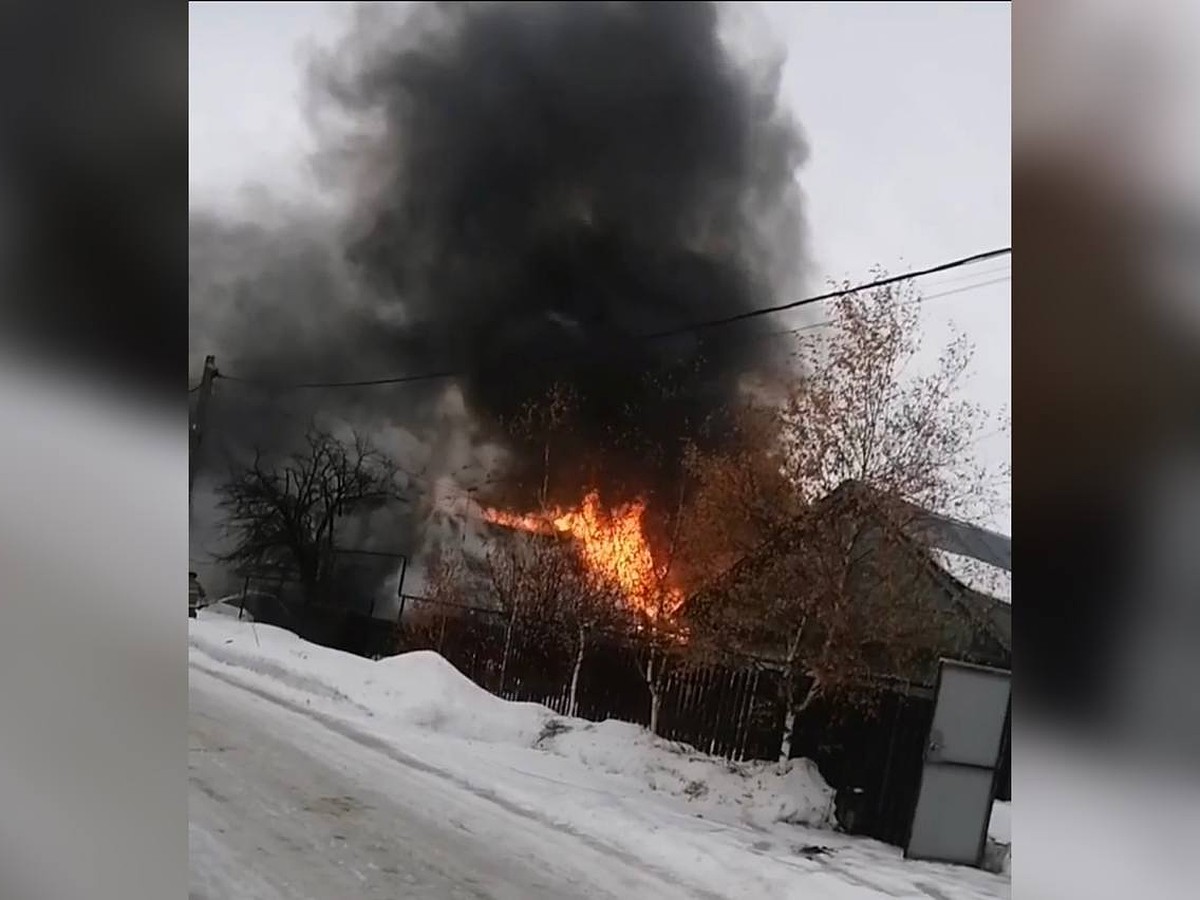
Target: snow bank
pixel 419 689
pixel 422 690
pixel 229 606
pixel 728 830
pixel 760 793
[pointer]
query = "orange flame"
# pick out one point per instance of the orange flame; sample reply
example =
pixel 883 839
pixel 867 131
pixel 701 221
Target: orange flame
pixel 613 545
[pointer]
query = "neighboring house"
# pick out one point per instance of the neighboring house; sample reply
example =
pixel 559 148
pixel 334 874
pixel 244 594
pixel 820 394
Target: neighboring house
pixel 959 571
pixel 974 569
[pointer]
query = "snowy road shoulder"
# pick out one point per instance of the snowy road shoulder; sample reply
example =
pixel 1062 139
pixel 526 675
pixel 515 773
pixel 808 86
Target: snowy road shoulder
pixel 281 805
pixel 610 788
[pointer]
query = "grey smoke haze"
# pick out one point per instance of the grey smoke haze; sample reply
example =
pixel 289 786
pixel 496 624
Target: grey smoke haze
pixel 530 185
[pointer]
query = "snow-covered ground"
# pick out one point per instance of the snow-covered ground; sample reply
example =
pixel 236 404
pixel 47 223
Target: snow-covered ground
pixel 283 807
pixel 723 829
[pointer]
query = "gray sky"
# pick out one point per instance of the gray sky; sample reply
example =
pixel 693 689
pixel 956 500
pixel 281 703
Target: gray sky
pixel 906 107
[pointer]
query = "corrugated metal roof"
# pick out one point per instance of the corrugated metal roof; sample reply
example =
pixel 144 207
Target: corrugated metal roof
pixel 964 539
pixel 978 576
pixel 941 532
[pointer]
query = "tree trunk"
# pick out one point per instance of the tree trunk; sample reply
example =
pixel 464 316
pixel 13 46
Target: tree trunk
pixel 789 725
pixel 573 702
pixel 793 710
pixel 508 638
pixel 648 675
pixel 789 715
pixel 655 683
pixel 789 693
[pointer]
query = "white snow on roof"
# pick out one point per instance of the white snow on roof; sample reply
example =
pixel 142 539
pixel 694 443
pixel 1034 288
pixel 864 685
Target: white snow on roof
pixel 975 574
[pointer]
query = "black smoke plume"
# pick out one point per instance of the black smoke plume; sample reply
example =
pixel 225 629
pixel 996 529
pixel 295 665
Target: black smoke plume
pixel 533 187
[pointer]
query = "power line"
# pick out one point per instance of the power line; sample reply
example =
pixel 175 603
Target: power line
pixel 829 295
pixel 1005 267
pixel 369 382
pixel 438 375
pixel 1003 262
pixel 965 287
pixel 919 301
pixel 429 376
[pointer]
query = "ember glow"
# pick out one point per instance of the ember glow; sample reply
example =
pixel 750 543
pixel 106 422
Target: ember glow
pixel 612 544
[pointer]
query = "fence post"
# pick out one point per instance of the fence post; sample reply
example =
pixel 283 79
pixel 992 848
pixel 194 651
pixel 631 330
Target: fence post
pixel 400 583
pixel 901 702
pixel 749 692
pixel 196 429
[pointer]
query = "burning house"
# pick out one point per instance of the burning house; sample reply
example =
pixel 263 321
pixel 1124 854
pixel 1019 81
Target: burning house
pixel 611 543
pixel 532 195
pixel 524 198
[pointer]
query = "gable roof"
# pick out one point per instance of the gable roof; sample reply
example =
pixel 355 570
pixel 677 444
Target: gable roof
pixel 963 539
pixel 942 532
pixel 942 538
pixel 930 536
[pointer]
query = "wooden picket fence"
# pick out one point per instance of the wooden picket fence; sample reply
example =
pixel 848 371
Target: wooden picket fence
pixel 731 712
pixel 874 756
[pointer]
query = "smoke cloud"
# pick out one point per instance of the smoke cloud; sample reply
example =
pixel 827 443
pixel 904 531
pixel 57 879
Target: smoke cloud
pixel 529 188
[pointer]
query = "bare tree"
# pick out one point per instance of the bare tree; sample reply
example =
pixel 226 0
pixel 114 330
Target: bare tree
pixel 544 571
pixel 543 428
pixel 828 529
pixel 580 571
pixel 739 494
pixel 515 586
pixel 285 513
pixel 448 578
pixel 661 655
pixel 449 587
pixel 862 414
pixel 588 604
pixel 656 624
pixel 547 593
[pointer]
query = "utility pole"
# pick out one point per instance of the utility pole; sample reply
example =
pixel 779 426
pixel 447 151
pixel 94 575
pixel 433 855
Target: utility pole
pixel 196 427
